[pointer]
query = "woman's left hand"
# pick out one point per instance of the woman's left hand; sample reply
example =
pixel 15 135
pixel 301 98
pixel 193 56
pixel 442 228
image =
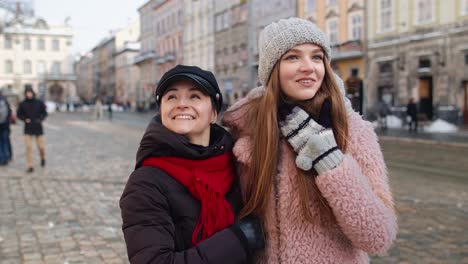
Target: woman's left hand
pixel 314 143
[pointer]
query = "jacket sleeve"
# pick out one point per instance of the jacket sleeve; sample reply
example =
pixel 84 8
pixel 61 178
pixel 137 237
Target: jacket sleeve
pixel 43 112
pixel 149 231
pixel 357 191
pixel 20 112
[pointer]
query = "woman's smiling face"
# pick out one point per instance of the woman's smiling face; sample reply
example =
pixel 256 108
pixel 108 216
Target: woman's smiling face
pixel 188 111
pixel 302 71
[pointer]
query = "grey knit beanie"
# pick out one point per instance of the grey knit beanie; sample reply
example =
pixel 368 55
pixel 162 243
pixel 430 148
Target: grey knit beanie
pixel 278 37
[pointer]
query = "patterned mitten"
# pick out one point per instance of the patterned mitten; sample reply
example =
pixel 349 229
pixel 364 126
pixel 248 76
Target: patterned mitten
pixel 314 144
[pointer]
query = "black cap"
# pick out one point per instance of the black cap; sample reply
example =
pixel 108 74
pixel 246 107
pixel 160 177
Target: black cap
pixel 204 79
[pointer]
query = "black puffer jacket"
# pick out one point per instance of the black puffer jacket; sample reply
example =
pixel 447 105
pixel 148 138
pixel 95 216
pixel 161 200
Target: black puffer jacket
pixel 34 110
pixel 159 214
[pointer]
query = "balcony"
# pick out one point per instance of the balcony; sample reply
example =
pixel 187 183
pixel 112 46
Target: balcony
pixel 348 50
pixel 146 56
pixel 58 77
pixel 170 56
pixel 160 59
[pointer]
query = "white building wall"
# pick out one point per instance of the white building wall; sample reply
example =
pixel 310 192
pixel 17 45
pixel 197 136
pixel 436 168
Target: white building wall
pixel 18 33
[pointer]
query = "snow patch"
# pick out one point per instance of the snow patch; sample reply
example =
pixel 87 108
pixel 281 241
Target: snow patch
pixel 440 126
pixel 394 122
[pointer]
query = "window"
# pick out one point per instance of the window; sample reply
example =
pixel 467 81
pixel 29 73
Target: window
pixel 466 58
pixel 236 15
pixel 310 5
pixel 8 66
pixel 424 11
pixel 40 44
pixel 219 22
pixel 356 26
pixel 424 62
pixel 41 67
pixel 332 30
pixel 385 67
pixel 386 15
pixel 27 67
pixel 465 7
pixel 56 67
pixel 55 45
pixel 8 43
pixel 243 13
pixel 27 44
pixel 227 19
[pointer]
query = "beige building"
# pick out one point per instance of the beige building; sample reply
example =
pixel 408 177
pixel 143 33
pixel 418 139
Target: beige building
pixel 419 49
pixel 37 55
pixel 126 72
pixel 231 52
pixel 145 60
pixel 84 73
pixel 104 69
pixel 169 28
pixel 199 33
pixel 344 23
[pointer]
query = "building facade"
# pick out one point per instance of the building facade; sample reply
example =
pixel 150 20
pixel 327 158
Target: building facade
pixel 104 69
pixel 146 59
pixel 263 13
pixel 344 23
pixel 34 54
pixel 199 34
pixel 84 74
pixel 418 49
pixel 169 28
pixel 231 49
pixel 127 74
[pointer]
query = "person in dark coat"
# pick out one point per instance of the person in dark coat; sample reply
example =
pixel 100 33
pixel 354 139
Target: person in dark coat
pixel 32 112
pixel 5 115
pixel 412 113
pixel 180 203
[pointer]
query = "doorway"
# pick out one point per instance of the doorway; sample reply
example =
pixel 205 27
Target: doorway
pixel 426 97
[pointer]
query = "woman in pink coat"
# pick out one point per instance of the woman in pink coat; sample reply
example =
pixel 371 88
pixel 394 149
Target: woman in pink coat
pixel 310 167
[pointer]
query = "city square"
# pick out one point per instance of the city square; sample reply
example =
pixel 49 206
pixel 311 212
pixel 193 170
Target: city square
pixel 68 212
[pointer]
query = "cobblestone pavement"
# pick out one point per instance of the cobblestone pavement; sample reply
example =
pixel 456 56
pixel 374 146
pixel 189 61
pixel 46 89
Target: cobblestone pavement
pixel 68 211
pixel 430 188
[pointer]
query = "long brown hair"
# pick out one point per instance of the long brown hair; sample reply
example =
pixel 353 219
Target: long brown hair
pixel 263 125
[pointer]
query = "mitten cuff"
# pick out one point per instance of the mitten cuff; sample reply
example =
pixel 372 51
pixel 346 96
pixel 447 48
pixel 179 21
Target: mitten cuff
pixel 329 161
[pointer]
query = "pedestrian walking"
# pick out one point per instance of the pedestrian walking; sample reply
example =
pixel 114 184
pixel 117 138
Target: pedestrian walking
pixel 310 166
pixel 98 109
pixel 180 205
pixel 32 112
pixel 5 115
pixel 412 115
pixel 384 111
pixel 109 109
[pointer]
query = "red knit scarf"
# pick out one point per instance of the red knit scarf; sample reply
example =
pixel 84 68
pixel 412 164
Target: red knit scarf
pixel 208 181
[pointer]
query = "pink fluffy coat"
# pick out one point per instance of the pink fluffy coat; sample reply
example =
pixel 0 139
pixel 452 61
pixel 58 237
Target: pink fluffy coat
pixel 360 223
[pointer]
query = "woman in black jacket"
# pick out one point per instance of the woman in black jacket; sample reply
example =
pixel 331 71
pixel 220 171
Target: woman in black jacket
pixel 180 203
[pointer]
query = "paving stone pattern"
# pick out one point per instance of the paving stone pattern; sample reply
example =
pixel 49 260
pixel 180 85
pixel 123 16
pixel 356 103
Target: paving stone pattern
pixel 68 211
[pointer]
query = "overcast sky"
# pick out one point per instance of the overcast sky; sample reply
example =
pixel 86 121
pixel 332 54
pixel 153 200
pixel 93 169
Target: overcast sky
pixel 91 19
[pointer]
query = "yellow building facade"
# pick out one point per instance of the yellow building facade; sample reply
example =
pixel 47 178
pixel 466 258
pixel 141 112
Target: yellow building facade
pixel 344 23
